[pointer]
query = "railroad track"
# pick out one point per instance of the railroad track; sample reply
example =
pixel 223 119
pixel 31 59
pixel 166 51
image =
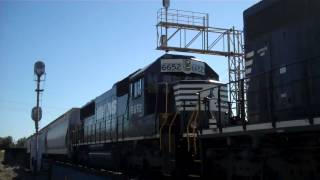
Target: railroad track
pixel 66 170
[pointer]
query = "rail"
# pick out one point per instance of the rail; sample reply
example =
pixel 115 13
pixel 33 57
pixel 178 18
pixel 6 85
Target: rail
pixel 175 16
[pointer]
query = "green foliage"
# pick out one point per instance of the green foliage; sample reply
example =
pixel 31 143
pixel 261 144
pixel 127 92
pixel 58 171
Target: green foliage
pixel 6 142
pixel 21 142
pixel 1 155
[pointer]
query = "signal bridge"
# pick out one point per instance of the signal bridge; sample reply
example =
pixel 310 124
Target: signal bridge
pixel 187 31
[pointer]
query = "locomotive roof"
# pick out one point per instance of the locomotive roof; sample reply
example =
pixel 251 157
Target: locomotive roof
pixel 120 88
pixel 200 81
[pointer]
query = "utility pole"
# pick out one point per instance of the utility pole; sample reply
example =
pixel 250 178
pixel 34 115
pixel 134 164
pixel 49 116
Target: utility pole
pixel 36 113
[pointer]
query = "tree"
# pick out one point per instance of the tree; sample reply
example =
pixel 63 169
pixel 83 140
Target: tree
pixel 6 142
pixel 21 142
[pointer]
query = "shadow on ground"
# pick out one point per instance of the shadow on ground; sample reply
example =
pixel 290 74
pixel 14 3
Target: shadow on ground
pixel 8 172
pixel 12 171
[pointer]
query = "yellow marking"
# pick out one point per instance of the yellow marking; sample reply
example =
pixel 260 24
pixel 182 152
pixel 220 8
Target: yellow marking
pixel 170 126
pixel 189 122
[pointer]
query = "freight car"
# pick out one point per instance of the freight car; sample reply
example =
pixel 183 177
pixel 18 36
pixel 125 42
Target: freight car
pixel 53 139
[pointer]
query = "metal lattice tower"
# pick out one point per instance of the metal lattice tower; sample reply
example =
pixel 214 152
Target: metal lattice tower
pixel 187 31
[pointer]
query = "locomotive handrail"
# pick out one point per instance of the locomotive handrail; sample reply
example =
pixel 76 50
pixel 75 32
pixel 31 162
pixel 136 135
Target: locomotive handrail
pixel 194 133
pixel 188 140
pixel 161 127
pixel 188 125
pixel 170 127
pixel 219 124
pixel 96 132
pixel 165 116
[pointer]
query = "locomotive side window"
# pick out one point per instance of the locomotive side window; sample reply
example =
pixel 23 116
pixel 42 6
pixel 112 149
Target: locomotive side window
pixel 136 88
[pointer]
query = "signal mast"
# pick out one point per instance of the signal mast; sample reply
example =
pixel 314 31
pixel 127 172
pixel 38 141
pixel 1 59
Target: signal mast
pixel 36 113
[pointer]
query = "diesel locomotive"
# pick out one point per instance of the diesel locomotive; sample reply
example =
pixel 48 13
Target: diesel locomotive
pixel 174 115
pixel 133 124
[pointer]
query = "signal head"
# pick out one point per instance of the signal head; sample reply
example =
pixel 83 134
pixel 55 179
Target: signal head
pixel 39 68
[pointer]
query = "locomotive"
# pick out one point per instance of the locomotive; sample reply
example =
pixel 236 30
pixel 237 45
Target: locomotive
pixel 131 124
pixel 173 116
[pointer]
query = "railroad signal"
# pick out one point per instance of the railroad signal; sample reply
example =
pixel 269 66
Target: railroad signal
pixel 39 68
pixel 166 3
pixel 36 114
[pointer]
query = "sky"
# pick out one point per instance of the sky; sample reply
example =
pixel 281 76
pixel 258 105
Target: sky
pixel 87 46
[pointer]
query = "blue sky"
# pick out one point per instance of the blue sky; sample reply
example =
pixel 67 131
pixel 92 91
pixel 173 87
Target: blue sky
pixel 86 46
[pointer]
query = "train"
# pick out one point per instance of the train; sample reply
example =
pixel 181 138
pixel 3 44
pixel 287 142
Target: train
pixel 135 110
pixel 174 116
